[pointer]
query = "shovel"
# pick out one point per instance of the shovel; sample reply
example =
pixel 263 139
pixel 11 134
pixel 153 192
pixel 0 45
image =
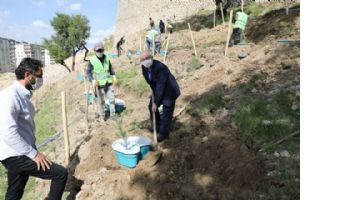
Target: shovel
pixel 154 157
pixel 99 100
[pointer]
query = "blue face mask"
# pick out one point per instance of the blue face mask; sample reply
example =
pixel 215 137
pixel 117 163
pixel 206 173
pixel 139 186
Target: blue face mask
pixel 35 83
pixel 147 63
pixel 99 54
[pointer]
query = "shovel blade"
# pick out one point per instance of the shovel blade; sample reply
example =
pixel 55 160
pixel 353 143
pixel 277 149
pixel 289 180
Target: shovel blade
pixel 154 157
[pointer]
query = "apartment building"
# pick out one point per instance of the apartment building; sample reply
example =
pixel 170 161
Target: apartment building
pixel 12 52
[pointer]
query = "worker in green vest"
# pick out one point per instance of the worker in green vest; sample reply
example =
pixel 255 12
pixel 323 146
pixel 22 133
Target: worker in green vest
pixel 100 73
pixel 153 34
pixel 241 20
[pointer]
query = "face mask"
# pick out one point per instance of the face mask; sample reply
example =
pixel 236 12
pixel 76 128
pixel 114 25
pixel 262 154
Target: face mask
pixel 99 55
pixel 147 63
pixel 35 84
pixel 38 83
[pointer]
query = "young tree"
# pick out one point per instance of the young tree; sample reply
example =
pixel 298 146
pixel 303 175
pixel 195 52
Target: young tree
pixel 69 38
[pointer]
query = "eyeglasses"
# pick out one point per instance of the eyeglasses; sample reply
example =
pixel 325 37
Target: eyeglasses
pixel 99 50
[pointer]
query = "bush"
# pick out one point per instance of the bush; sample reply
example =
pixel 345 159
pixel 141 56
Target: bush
pixel 206 104
pixel 262 121
pixel 254 9
pixel 194 64
pixel 48 118
pixel 129 78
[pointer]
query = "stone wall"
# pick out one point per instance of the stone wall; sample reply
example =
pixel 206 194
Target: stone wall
pixel 133 15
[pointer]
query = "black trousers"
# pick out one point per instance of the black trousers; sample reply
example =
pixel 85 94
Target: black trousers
pixel 163 122
pixel 236 37
pixel 19 169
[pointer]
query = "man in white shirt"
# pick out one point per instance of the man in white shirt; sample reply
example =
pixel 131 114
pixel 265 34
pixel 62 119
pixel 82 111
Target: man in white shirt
pixel 18 152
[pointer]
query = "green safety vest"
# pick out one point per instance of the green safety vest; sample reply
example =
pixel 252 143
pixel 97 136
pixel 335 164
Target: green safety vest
pixel 151 34
pixel 101 70
pixel 242 20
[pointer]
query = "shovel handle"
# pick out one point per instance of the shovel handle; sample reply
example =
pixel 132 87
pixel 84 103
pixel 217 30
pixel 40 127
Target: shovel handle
pixel 154 125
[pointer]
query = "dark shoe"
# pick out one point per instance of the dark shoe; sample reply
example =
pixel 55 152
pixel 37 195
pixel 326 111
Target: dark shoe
pixel 161 138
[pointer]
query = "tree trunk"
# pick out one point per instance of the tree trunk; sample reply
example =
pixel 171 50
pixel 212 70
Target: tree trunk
pixel 73 62
pixel 65 65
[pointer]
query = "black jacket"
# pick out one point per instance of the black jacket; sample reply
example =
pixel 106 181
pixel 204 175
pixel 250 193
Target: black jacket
pixel 163 83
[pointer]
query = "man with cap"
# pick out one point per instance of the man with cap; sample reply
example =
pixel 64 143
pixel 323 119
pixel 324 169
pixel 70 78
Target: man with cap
pixel 241 20
pixel 102 76
pixel 165 91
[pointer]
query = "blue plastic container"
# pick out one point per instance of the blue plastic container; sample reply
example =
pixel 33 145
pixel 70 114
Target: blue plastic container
pixel 90 97
pixel 128 151
pixel 144 150
pixel 119 106
pixel 113 55
pixel 80 77
pixel 127 160
pixel 163 53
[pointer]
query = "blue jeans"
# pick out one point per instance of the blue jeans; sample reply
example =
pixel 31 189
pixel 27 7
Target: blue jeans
pixel 19 168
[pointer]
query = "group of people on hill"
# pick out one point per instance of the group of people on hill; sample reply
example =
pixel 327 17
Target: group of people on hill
pixel 18 151
pixel 153 35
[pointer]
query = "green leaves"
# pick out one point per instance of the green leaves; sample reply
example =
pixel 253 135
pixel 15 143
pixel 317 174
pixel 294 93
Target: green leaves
pixel 70 33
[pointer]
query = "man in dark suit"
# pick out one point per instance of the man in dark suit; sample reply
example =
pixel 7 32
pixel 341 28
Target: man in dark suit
pixel 165 90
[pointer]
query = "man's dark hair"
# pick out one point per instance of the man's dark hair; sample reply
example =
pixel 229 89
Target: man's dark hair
pixel 30 65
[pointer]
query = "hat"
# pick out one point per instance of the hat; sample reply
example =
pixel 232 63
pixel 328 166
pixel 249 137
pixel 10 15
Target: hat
pixel 98 46
pixel 145 55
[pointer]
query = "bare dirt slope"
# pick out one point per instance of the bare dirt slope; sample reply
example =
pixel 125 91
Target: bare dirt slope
pixel 204 158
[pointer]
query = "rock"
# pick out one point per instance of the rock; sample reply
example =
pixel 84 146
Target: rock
pixel 274 173
pixel 267 122
pixel 242 55
pixel 227 98
pixel 276 154
pixel 286 65
pixel 204 139
pixel 228 71
pixel 254 90
pixel 285 154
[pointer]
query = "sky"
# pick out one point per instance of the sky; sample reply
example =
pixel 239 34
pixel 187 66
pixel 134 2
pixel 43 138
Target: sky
pixel 29 20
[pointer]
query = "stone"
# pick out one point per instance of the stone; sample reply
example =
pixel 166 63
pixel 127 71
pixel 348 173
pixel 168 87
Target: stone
pixel 286 65
pixel 274 173
pixel 267 122
pixel 204 139
pixel 242 55
pixel 285 154
pixel 276 154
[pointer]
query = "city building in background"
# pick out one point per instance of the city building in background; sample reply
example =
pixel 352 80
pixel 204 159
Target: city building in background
pixel 12 52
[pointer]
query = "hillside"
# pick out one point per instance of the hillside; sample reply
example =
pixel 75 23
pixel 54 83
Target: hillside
pixel 236 133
